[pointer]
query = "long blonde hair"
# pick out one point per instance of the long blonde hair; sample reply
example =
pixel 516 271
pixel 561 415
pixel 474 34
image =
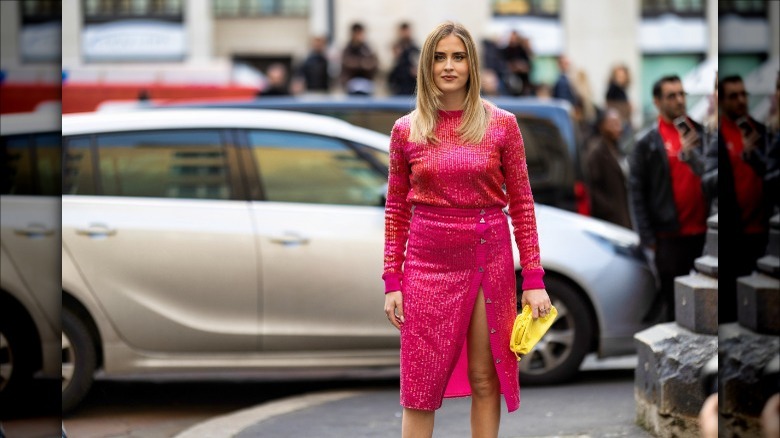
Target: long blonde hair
pixel 475 114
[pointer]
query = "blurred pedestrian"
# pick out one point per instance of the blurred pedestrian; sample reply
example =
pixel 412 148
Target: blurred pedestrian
pixel 584 106
pixel 278 85
pixel 607 172
pixel 313 73
pixel 708 417
pixel 359 63
pixel 490 83
pixel 448 271
pixel 493 61
pixel 518 57
pixel 670 210
pixel 403 76
pixel 743 209
pixel 563 88
pixel 772 176
pixel 617 92
pixel 770 417
pixel 617 98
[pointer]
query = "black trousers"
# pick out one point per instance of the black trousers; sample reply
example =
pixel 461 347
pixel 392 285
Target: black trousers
pixel 740 261
pixel 674 256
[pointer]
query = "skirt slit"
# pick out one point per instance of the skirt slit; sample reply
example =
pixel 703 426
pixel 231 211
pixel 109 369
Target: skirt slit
pixel 448 249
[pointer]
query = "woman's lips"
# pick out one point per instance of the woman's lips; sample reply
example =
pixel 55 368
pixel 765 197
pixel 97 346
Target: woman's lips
pixel 449 78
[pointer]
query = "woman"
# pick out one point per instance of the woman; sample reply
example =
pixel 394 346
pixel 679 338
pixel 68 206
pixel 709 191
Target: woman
pixel 449 275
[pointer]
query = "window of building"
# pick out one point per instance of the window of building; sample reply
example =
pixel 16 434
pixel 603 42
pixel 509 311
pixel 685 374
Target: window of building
pixel 41 11
pixel 164 164
pixel 687 8
pixel 96 11
pixel 260 8
pixel 543 8
pixel 313 169
pixel 750 8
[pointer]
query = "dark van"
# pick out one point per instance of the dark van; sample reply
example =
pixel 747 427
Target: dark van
pixel 551 146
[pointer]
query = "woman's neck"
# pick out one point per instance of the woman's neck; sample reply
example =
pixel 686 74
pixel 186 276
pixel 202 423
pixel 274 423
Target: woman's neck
pixel 452 102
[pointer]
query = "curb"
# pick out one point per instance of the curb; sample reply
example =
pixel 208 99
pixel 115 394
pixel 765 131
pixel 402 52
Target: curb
pixel 229 425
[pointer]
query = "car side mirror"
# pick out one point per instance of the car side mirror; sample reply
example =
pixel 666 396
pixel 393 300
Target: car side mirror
pixel 383 196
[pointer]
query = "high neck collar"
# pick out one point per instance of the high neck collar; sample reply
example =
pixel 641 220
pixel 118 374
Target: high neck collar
pixel 448 114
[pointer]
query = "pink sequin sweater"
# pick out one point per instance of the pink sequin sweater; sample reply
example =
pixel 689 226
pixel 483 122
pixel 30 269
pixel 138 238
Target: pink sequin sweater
pixel 451 174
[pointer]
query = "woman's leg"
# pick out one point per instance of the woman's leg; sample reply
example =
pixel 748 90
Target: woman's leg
pixel 485 390
pixel 416 423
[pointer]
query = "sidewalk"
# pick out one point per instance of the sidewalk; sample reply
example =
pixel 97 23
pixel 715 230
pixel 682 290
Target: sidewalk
pixel 603 408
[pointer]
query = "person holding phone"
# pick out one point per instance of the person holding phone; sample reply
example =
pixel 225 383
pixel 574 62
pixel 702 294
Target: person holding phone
pixel 743 207
pixel 668 202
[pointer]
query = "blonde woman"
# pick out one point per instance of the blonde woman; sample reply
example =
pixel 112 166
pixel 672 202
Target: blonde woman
pixel 449 274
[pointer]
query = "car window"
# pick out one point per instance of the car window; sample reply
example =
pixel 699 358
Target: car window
pixel 380 121
pixel 381 158
pixel 296 167
pixel 31 164
pixel 545 148
pixel 164 164
pixel 78 177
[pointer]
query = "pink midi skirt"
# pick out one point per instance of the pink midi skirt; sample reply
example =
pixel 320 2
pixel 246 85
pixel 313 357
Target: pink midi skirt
pixel 451 252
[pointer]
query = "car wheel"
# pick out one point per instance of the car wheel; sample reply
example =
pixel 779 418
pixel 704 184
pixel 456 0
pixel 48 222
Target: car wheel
pixel 558 355
pixel 79 360
pixel 16 367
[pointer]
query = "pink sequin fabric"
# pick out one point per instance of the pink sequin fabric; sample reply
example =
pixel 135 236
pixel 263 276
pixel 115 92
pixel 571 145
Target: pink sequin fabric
pixel 445 237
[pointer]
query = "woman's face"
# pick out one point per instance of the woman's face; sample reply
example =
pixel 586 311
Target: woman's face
pixel 451 66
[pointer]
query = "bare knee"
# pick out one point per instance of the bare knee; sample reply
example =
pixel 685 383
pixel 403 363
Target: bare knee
pixel 484 382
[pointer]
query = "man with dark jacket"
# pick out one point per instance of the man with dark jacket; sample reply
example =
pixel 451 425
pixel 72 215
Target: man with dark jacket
pixel 359 64
pixel 743 207
pixel 670 209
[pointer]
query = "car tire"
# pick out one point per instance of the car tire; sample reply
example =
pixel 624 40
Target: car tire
pixel 81 355
pixel 558 356
pixel 16 357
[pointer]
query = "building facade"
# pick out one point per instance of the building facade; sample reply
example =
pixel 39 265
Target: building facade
pixel 223 42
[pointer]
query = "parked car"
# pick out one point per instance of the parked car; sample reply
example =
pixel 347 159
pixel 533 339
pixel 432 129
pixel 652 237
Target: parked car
pixel 229 239
pixel 552 147
pixel 30 151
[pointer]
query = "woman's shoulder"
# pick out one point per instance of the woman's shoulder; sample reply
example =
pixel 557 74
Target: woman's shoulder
pixel 403 123
pixel 497 114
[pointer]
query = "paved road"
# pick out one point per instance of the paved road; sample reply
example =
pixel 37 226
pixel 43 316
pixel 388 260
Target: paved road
pixel 602 397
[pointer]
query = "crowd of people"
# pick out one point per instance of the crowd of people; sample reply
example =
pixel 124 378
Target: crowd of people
pixel 667 186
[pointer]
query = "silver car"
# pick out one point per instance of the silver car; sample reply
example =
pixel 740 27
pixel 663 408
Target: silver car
pixel 202 240
pixel 30 153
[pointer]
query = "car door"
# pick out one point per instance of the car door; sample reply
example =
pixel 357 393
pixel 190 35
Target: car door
pixel 158 225
pixel 320 227
pixel 30 218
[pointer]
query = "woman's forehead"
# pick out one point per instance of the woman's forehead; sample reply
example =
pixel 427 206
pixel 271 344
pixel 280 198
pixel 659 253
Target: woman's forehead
pixel 450 43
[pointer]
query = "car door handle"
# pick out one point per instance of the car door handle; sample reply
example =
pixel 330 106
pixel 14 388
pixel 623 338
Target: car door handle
pixel 34 230
pixel 96 230
pixel 289 239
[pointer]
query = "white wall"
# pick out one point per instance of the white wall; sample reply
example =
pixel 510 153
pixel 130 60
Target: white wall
pixel 600 34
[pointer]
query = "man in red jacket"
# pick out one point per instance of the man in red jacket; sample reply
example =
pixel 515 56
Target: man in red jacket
pixel 669 206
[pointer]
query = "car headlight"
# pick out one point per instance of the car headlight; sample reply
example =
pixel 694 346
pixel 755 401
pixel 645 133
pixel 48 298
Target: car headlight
pixel 618 244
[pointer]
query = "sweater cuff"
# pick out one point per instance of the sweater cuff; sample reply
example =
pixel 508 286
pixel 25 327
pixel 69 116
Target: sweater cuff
pixel 392 282
pixel 533 279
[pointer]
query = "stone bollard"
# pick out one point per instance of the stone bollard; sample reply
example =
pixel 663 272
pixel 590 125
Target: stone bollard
pixel 748 349
pixel 668 385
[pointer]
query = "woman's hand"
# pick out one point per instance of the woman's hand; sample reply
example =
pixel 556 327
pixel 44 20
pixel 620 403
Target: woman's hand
pixel 394 308
pixel 538 300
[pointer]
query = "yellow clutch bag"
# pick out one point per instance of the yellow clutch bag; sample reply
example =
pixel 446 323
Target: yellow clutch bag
pixel 527 331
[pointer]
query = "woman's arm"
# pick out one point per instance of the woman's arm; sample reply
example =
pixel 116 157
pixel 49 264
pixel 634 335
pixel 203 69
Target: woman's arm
pixel 521 205
pixel 398 210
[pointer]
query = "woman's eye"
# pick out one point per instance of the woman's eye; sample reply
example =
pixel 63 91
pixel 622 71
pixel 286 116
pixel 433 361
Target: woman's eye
pixel 459 57
pixel 438 57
